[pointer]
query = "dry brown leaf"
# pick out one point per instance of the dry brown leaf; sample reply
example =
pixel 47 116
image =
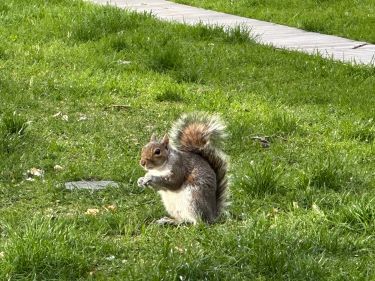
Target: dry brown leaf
pixel 58 168
pixel 180 250
pixel 35 172
pixel 110 207
pixel 92 212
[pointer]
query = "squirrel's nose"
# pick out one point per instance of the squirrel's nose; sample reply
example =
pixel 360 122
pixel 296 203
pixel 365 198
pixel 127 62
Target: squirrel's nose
pixel 143 162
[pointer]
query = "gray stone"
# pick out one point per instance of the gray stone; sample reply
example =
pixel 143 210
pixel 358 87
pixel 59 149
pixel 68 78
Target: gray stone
pixel 91 185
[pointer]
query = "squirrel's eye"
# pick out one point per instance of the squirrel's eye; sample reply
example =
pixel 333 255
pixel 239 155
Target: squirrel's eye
pixel 157 151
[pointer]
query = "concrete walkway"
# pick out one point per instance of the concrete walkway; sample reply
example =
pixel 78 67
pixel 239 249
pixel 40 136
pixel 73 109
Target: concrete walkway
pixel 279 36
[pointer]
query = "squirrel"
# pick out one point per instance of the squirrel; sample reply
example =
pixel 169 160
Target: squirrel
pixel 190 171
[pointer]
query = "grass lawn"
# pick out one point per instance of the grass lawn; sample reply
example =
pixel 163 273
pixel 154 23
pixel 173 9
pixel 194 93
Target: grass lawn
pixel 345 18
pixel 302 209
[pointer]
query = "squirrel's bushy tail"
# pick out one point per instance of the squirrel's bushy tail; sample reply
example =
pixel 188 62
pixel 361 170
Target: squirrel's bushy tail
pixel 202 134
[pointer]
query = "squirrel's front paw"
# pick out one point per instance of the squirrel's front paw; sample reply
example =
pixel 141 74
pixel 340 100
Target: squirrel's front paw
pixel 143 182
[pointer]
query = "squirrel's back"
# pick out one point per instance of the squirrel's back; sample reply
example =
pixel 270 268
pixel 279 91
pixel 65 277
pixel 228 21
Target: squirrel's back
pixel 203 134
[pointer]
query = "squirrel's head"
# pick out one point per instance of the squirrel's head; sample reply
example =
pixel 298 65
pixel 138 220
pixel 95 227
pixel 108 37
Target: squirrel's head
pixel 155 153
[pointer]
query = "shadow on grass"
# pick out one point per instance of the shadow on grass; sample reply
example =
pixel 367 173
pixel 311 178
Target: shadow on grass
pixel 166 56
pixel 102 21
pixel 171 93
pixel 330 171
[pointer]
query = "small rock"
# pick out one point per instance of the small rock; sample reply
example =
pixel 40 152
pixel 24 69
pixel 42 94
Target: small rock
pixel 92 185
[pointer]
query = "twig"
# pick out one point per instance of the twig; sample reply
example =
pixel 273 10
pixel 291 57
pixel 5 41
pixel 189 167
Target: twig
pixel 265 141
pixel 118 106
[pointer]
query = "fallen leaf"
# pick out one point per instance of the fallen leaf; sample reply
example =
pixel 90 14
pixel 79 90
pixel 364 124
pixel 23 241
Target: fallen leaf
pixel 316 209
pixel 110 207
pixel 35 172
pixel 92 212
pixel 110 258
pixel 58 168
pixel 82 118
pixel 124 62
pixel 181 250
pixel 262 140
pixel 274 211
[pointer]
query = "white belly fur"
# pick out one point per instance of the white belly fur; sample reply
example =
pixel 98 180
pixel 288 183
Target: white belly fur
pixel 178 204
pixel 164 172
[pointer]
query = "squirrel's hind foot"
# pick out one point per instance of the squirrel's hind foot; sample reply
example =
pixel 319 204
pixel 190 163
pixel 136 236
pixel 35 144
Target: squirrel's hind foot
pixel 167 221
pixel 172 221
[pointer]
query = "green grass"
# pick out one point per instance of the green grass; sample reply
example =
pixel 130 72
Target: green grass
pixel 302 209
pixel 351 19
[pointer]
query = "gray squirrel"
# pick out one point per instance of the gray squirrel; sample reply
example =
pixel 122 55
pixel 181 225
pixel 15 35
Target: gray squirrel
pixel 189 171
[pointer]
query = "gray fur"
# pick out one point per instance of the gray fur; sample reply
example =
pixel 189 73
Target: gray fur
pixel 190 175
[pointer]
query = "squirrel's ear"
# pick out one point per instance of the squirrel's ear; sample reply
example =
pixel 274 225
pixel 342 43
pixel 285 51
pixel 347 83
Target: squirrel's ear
pixel 165 140
pixel 153 138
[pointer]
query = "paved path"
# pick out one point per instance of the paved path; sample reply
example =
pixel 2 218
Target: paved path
pixel 279 36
